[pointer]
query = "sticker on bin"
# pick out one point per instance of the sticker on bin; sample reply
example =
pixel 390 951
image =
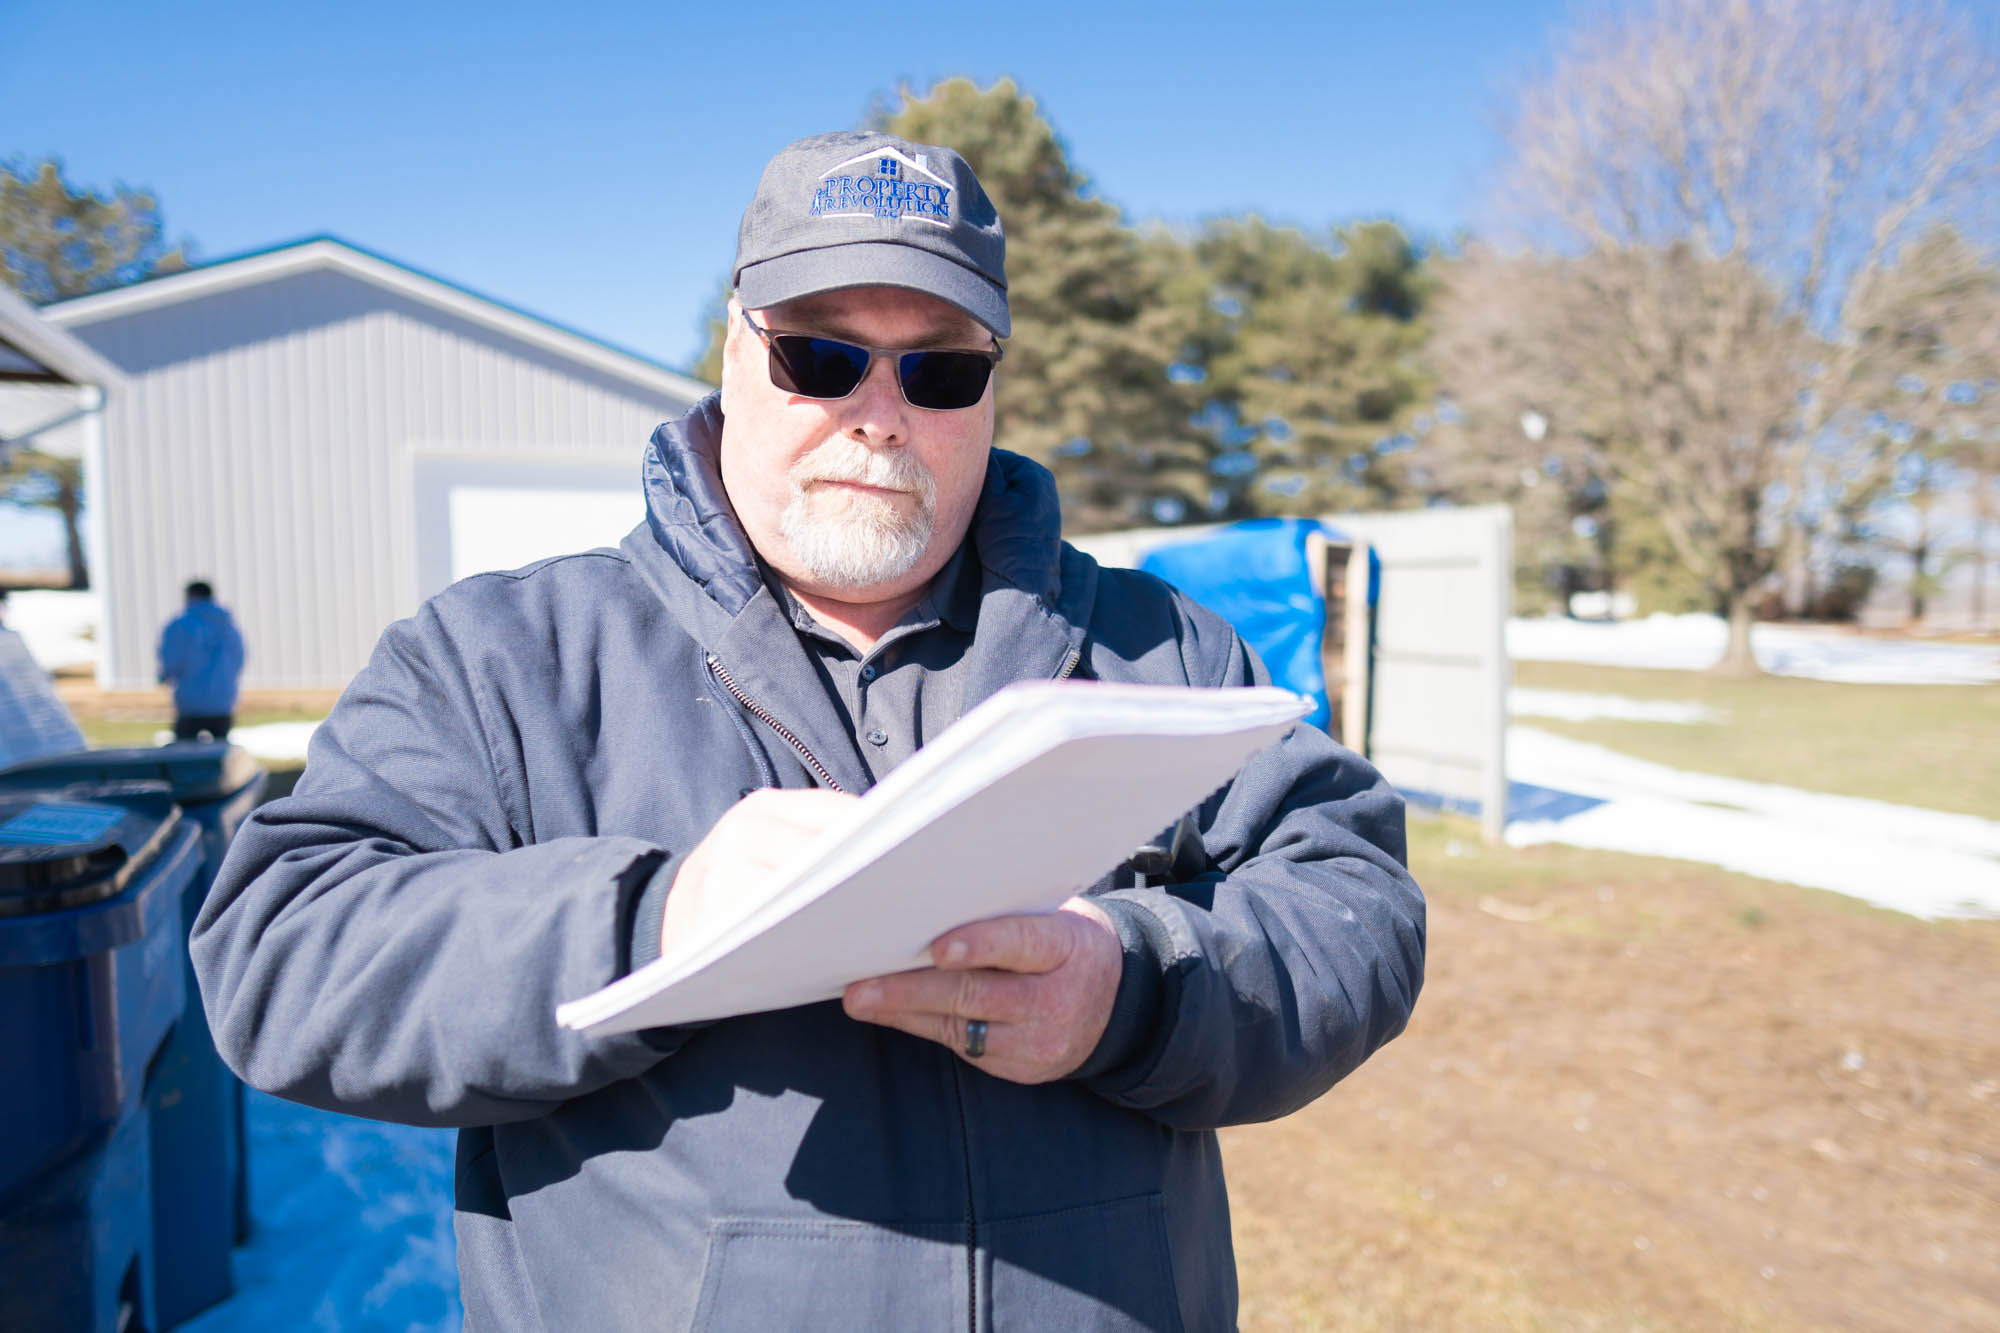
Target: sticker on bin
pixel 51 824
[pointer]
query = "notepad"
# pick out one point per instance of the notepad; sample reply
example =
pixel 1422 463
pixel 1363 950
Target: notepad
pixel 1032 796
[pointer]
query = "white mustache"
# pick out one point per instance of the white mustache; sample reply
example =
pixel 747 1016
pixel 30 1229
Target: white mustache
pixel 860 466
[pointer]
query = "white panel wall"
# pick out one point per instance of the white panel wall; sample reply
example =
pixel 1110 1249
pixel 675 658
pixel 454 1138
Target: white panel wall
pixel 1441 668
pixel 266 443
pixel 481 512
pixel 1124 550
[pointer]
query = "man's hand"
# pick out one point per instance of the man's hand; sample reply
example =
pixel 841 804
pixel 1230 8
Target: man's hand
pixel 1043 985
pixel 741 859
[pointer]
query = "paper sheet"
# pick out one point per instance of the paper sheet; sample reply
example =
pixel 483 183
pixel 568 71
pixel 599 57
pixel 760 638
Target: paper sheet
pixel 1032 796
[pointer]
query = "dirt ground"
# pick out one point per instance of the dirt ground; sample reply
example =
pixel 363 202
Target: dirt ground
pixel 88 704
pixel 1639 1094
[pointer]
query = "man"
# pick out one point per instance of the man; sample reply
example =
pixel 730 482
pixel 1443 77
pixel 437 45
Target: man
pixel 543 771
pixel 201 654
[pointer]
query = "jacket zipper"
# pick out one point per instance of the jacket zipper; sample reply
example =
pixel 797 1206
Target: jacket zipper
pixel 971 1219
pixel 1069 666
pixel 763 715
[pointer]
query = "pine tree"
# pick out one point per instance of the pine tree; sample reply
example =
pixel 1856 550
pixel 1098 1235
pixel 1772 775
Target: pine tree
pixel 58 240
pixel 1085 387
pixel 1305 359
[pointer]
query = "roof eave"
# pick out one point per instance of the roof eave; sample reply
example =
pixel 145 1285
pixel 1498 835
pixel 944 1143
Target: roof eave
pixel 48 343
pixel 326 252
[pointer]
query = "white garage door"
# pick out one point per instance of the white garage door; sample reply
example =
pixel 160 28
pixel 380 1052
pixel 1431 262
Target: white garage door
pixel 478 514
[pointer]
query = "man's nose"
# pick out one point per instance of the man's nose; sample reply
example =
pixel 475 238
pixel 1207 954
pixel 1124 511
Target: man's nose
pixel 877 416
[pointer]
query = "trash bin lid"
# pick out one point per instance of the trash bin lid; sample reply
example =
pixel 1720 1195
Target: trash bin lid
pixel 196 771
pixel 57 853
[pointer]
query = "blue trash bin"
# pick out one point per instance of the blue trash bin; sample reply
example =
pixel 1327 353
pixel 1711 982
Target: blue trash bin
pixel 91 985
pixel 201 1178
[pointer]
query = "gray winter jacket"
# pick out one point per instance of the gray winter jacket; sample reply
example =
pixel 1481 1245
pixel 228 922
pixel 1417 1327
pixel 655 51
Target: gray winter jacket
pixel 488 823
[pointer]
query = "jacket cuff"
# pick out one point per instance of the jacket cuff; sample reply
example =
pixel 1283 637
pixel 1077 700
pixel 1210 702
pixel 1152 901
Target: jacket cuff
pixel 652 878
pixel 1129 1037
pixel 647 881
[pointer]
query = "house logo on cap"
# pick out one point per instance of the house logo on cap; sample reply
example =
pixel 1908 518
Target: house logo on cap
pixel 884 184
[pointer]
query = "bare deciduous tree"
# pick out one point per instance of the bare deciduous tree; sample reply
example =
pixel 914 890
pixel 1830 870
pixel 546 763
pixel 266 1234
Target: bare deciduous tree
pixel 1699 200
pixel 1935 316
pixel 1670 374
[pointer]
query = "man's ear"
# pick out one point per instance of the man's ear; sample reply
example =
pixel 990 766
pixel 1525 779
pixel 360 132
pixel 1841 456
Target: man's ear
pixel 733 333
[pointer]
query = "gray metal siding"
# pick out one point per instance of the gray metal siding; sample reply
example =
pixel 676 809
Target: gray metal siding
pixel 265 442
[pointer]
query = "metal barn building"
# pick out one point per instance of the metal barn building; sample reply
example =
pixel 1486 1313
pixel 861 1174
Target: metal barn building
pixel 329 437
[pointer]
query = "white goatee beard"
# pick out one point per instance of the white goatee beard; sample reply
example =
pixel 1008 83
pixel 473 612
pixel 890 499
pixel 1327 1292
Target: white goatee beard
pixel 846 539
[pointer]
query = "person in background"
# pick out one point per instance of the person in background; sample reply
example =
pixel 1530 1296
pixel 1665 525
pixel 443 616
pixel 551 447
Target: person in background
pixel 201 654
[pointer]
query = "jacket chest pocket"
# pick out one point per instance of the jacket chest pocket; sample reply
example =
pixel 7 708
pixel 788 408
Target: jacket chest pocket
pixel 833 1276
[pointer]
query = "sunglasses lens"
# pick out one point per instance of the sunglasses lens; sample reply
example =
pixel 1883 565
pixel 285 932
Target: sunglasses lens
pixel 943 381
pixel 816 367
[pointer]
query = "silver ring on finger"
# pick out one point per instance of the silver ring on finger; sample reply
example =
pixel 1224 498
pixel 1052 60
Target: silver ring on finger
pixel 975 1038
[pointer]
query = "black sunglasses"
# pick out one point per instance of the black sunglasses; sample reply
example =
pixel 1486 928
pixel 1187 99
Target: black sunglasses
pixel 940 379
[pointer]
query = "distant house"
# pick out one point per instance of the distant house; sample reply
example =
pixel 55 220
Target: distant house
pixel 329 437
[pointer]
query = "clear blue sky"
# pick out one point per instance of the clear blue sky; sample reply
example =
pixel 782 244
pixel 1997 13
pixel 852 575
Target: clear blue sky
pixel 589 162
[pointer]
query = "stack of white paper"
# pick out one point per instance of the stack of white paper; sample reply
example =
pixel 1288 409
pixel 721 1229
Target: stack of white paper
pixel 1033 795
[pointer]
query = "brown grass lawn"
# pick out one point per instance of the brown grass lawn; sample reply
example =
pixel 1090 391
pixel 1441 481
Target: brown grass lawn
pixel 1641 1094
pixel 135 717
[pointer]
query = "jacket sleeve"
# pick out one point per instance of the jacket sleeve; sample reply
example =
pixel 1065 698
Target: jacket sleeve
pixel 381 942
pixel 232 653
pixel 172 648
pixel 1292 948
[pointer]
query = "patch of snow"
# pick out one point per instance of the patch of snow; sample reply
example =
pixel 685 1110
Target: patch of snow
pixel 1925 862
pixel 59 627
pixel 1696 642
pixel 1577 706
pixel 275 740
pixel 352 1227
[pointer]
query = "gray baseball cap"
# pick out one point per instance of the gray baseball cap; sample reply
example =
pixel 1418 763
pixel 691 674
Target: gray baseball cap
pixel 858 209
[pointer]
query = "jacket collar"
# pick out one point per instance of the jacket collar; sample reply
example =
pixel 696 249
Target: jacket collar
pixel 695 555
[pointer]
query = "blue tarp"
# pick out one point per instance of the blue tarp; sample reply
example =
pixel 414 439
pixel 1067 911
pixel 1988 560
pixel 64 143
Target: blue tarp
pixel 1254 575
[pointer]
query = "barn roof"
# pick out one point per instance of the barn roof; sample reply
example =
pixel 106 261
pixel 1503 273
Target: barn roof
pixel 330 253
